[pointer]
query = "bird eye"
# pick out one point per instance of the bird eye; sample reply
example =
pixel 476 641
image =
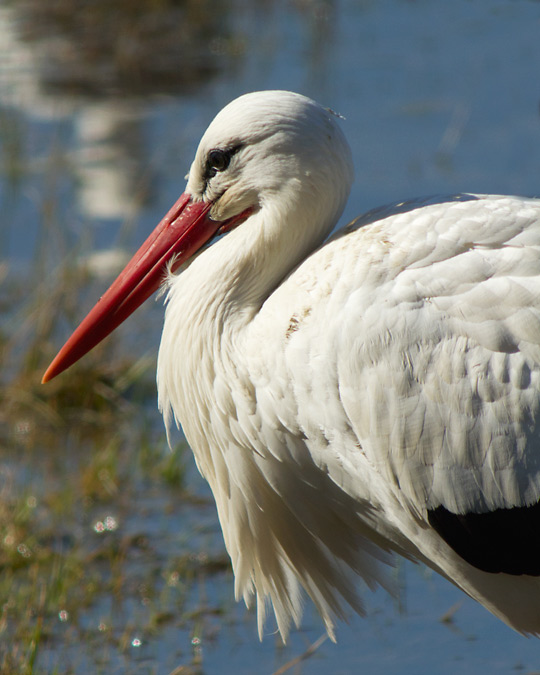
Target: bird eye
pixel 218 160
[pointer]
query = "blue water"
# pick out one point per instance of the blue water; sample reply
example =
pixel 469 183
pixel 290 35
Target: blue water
pixel 438 96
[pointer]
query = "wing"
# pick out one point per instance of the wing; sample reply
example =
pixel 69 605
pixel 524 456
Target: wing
pixel 419 331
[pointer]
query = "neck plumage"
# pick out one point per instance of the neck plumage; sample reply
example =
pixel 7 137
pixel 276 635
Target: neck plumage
pixel 204 382
pixel 210 304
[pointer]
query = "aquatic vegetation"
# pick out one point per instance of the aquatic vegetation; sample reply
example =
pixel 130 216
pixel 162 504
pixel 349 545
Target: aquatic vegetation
pixel 93 560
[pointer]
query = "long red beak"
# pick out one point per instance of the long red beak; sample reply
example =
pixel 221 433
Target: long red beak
pixel 181 233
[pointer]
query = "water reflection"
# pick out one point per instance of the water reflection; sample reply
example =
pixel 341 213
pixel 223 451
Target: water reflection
pixel 126 47
pixel 108 159
pixel 99 68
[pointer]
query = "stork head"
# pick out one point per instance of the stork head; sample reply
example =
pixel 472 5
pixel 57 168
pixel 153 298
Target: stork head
pixel 266 150
pixel 265 145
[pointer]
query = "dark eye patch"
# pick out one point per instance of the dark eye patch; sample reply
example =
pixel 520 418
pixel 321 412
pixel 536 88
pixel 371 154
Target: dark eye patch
pixel 218 160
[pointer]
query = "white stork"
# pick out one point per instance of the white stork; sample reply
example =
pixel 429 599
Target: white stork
pixel 348 399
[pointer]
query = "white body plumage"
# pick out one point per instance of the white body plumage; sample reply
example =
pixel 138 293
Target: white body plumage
pixel 335 395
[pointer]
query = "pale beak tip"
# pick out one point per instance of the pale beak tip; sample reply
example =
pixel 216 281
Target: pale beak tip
pixel 51 372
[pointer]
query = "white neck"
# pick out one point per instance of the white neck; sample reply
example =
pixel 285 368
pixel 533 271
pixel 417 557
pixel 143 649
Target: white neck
pixel 203 380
